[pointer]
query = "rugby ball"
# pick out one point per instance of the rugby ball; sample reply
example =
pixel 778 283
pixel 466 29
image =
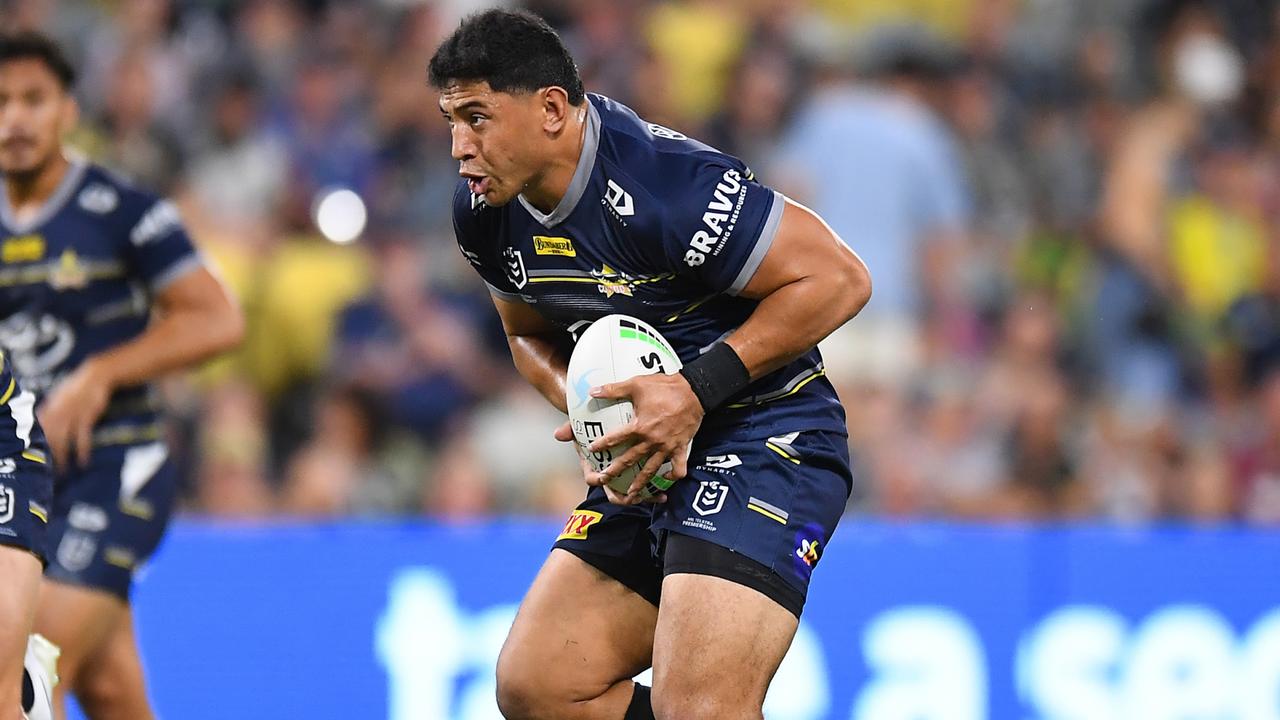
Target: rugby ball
pixel 614 348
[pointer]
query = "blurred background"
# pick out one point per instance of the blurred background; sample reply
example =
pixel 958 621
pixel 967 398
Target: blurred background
pixel 1071 212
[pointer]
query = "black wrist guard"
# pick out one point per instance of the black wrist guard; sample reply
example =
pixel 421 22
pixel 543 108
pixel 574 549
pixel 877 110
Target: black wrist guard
pixel 716 375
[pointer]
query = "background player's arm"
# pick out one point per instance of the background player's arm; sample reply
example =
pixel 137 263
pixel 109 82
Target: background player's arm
pixel 808 284
pixel 535 349
pixel 195 319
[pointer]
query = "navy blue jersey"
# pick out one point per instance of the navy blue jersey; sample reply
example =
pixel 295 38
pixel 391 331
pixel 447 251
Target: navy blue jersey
pixel 77 279
pixel 660 227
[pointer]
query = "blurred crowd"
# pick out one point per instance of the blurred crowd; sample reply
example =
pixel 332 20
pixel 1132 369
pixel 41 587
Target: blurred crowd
pixel 1071 212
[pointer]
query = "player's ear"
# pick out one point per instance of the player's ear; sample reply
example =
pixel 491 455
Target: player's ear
pixel 555 109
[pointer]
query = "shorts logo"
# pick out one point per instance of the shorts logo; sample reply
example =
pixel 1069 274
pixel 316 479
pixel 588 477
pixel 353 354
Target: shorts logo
pixel 89 518
pixel 561 246
pixel 723 462
pixel 810 551
pixel 515 267
pixel 6 504
pixel 76 550
pixel 710 497
pixel 578 524
pixel 619 200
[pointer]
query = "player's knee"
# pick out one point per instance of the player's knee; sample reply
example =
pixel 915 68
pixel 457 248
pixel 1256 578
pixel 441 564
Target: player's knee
pixel 687 702
pixel 522 695
pixel 528 692
pixel 104 696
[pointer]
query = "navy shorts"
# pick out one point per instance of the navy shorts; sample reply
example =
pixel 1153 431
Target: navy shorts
pixel 109 517
pixel 773 500
pixel 26 494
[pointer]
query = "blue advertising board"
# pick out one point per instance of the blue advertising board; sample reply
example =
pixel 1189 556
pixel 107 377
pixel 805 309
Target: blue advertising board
pixel 904 622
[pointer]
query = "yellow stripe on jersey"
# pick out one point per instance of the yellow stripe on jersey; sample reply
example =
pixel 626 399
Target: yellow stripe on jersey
pixel 765 513
pixel 13 383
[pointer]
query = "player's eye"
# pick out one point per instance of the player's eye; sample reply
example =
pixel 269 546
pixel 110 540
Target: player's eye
pixel 475 120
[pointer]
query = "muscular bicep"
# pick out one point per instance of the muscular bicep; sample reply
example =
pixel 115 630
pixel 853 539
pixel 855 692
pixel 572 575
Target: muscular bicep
pixel 805 247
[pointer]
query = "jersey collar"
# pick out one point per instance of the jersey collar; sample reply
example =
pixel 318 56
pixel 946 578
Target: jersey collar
pixel 581 176
pixel 70 181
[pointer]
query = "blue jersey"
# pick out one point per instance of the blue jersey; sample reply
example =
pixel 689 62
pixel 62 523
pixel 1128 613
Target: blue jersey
pixel 77 279
pixel 660 227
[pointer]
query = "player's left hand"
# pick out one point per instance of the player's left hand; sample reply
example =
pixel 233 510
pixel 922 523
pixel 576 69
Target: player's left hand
pixel 70 412
pixel 668 415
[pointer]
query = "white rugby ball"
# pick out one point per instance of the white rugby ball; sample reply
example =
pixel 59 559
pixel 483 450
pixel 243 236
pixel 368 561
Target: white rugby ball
pixel 614 348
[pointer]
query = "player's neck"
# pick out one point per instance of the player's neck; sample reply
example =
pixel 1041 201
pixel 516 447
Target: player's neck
pixel 547 189
pixel 27 192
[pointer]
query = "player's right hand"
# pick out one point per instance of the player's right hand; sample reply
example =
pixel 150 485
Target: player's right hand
pixel 564 433
pixel 70 412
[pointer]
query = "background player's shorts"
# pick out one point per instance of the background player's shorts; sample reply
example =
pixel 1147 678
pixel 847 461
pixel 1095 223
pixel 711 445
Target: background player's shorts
pixel 26 495
pixel 109 518
pixel 774 500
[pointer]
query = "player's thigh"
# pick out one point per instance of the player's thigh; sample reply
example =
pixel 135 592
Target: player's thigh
pixel 716 648
pixel 78 620
pixel 21 573
pixel 577 633
pixel 110 684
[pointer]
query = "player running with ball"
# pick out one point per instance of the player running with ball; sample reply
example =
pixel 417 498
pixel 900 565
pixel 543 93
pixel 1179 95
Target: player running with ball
pixel 572 208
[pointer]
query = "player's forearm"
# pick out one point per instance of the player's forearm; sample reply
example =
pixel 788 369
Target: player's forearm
pixel 794 318
pixel 179 339
pixel 543 364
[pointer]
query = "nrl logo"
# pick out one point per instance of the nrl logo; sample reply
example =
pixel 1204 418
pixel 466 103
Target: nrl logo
pixel 515 267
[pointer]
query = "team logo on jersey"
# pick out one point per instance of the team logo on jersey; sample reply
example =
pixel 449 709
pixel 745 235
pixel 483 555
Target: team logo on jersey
pixel 576 527
pixel 37 347
pixel 666 132
pixel 99 198
pixel 8 466
pixel 612 282
pixel 710 497
pixel 620 200
pixel 68 274
pixel 24 248
pixel 718 220
pixel 6 503
pixel 561 246
pixel 514 263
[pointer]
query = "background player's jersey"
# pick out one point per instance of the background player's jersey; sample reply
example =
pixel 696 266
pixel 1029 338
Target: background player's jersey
pixel 657 226
pixel 77 278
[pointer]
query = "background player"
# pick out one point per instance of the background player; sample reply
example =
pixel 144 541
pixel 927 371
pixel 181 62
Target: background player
pixel 572 207
pixel 87 258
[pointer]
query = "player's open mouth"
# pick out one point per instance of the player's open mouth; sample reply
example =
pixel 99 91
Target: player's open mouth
pixel 478 184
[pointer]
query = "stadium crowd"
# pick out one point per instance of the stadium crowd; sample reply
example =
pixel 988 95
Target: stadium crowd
pixel 1071 212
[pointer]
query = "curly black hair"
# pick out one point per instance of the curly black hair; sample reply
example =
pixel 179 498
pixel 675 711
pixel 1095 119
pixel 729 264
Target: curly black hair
pixel 512 50
pixel 38 46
